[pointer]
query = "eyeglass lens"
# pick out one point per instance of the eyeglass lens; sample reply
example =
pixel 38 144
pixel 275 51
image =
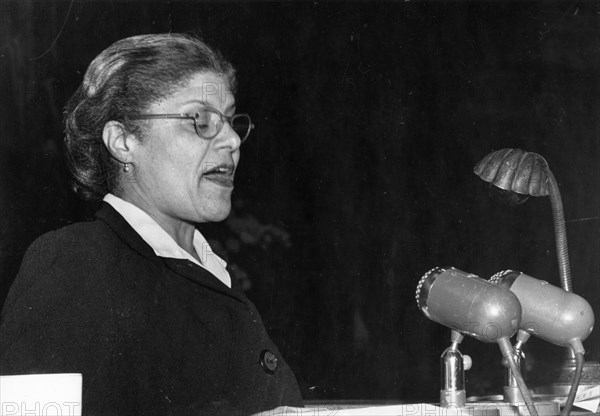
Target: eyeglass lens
pixel 209 124
pixel 241 125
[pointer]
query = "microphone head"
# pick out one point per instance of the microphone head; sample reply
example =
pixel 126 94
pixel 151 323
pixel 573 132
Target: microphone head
pixel 468 304
pixel 549 312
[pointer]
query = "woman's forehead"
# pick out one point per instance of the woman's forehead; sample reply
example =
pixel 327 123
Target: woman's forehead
pixel 207 87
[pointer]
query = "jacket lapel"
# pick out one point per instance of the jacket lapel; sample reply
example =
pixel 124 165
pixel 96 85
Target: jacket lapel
pixel 184 268
pixel 200 275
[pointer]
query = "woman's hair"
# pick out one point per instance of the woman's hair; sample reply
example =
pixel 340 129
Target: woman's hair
pixel 124 80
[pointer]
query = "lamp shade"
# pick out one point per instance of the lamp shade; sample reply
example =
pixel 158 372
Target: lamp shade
pixel 515 170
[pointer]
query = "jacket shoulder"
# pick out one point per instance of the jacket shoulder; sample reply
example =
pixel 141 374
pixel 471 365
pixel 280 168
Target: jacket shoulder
pixel 79 234
pixel 62 257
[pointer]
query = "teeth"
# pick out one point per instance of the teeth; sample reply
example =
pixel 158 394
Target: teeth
pixel 219 170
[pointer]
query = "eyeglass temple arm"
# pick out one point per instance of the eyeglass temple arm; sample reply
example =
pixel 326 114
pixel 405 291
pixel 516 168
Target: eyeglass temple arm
pixel 151 116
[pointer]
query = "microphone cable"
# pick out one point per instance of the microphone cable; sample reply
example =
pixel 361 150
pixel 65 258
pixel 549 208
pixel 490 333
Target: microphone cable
pixel 574 385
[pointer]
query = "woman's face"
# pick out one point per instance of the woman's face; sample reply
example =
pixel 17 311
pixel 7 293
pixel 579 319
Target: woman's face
pixel 180 176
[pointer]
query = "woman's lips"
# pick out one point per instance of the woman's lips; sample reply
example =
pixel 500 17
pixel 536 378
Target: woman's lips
pixel 221 174
pixel 222 179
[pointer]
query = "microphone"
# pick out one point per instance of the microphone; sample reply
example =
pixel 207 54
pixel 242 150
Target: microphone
pixel 549 312
pixel 473 306
pixel 553 314
pixel 468 304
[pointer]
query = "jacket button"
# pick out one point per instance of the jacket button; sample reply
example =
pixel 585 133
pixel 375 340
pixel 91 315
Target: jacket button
pixel 268 361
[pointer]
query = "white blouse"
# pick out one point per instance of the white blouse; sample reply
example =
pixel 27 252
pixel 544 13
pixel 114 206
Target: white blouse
pixel 164 245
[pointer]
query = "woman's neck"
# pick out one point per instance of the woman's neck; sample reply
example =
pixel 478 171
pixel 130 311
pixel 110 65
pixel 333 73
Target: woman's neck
pixel 181 231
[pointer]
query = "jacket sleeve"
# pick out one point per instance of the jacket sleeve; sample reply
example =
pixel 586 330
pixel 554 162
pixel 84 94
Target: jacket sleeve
pixel 53 320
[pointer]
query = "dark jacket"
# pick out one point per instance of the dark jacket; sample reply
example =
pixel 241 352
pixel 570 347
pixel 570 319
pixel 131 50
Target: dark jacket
pixel 150 335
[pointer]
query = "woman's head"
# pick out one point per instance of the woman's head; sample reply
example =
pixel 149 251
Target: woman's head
pixel 121 82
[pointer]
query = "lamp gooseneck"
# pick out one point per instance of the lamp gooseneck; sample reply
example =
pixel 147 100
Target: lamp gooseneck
pixel 528 173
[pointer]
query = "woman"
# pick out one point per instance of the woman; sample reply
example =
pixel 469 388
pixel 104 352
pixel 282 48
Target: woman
pixel 136 301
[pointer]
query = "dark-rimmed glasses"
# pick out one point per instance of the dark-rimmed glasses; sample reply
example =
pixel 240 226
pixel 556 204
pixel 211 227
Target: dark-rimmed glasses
pixel 209 122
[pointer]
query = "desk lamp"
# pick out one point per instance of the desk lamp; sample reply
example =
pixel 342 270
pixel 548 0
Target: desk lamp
pixel 519 174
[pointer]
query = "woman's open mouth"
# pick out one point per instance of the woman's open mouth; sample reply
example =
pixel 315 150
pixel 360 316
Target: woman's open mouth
pixel 221 175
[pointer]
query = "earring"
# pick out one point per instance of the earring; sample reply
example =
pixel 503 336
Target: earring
pixel 126 167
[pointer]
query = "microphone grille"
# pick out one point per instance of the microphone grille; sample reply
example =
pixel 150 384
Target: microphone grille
pixel 497 278
pixel 425 278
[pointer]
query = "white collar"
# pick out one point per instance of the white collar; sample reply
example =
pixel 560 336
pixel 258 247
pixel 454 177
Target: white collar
pixel 163 244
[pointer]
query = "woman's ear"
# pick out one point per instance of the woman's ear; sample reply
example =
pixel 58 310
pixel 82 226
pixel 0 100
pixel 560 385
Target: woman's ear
pixel 117 141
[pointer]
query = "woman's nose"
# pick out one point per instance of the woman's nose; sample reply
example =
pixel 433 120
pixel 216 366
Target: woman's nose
pixel 228 137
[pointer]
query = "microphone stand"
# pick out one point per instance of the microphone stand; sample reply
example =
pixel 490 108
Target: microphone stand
pixel 453 365
pixel 512 395
pixel 511 391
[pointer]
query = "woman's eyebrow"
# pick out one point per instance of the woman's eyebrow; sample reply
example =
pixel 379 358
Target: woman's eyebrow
pixel 230 108
pixel 196 101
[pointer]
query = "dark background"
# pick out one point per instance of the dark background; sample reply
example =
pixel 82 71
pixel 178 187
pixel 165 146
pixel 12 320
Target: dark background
pixel 370 118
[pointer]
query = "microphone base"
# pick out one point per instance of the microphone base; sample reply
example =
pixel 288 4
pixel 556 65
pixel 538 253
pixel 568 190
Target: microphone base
pixel 453 398
pixel 472 409
pixel 513 395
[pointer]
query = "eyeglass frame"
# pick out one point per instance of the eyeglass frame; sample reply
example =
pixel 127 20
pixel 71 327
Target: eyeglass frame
pixel 194 116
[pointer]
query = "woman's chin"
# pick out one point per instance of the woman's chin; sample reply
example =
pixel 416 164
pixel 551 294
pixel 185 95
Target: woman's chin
pixel 217 214
pixel 221 217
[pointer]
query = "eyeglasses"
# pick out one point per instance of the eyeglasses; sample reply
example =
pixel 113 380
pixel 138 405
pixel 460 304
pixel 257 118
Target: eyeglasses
pixel 209 122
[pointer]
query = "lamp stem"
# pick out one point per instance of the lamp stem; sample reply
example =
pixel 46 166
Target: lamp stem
pixel 560 233
pixel 560 237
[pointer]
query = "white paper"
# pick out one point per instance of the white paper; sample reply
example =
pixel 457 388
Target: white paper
pixel 587 398
pixel 417 409
pixel 41 394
